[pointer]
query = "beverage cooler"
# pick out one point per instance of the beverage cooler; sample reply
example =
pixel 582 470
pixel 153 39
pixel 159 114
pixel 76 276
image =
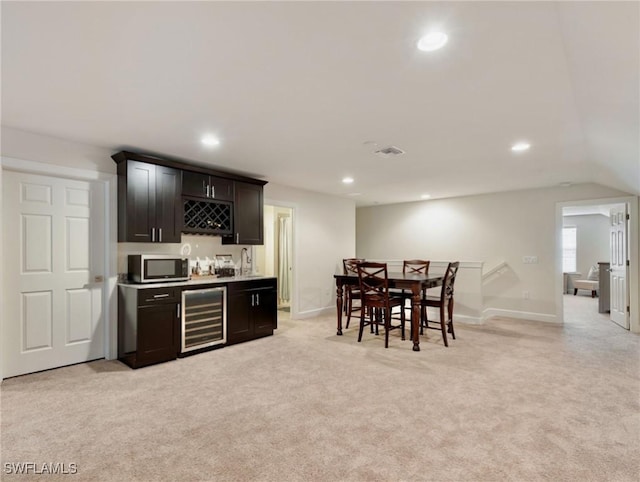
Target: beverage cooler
pixel 204 318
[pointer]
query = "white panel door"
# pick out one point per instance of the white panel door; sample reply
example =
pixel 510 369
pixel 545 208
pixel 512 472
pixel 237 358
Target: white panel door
pixel 53 238
pixel 619 268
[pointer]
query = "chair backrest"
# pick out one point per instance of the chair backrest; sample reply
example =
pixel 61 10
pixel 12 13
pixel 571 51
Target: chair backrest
pixel 415 266
pixel 349 265
pixel 374 281
pixel 449 280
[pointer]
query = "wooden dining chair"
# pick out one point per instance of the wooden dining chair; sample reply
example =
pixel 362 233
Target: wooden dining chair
pixel 349 266
pixel 444 303
pixel 412 266
pixel 376 300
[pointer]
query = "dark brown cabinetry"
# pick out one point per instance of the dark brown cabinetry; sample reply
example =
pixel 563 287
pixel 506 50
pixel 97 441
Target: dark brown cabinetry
pixel 148 325
pixel 251 310
pixel 158 199
pixel 248 208
pixel 204 186
pixel 149 203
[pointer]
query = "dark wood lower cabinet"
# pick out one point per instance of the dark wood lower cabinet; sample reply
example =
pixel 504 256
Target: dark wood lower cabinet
pixel 251 310
pixel 148 325
pixel 157 334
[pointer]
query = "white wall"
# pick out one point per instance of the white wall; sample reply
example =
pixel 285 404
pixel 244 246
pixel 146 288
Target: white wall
pixel 592 240
pixel 494 228
pixel 201 247
pixel 35 147
pixel 264 258
pixel 323 234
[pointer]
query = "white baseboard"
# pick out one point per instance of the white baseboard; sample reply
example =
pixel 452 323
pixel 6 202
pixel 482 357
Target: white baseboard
pixel 472 320
pixel 521 315
pixel 469 320
pixel 303 315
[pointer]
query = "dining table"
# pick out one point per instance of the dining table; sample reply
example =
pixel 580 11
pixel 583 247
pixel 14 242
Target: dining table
pixel 413 282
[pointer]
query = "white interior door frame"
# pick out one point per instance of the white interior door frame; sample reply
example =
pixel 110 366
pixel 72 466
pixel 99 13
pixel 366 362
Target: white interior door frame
pixel 109 182
pixel 633 239
pixel 294 251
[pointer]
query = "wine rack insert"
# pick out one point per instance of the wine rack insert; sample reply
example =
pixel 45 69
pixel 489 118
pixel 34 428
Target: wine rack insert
pixel 202 217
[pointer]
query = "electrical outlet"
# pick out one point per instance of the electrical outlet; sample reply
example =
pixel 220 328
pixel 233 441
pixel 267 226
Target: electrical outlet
pixel 525 295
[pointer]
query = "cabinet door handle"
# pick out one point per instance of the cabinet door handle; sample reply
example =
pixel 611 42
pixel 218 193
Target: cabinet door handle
pixel 161 296
pixel 213 191
pixel 237 238
pixel 208 190
pixel 153 235
pixel 257 299
pixel 159 235
pixel 178 311
pixel 252 300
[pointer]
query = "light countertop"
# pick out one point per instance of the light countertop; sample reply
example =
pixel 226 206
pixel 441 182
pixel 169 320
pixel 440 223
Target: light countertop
pixel 200 280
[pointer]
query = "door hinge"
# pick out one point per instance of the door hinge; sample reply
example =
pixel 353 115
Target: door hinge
pixel 628 309
pixel 627 217
pixel 627 262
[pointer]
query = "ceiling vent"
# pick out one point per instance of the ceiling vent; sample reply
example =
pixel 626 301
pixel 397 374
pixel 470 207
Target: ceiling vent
pixel 389 151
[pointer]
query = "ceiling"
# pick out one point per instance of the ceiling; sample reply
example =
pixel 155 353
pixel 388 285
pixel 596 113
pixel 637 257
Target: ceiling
pixel 302 93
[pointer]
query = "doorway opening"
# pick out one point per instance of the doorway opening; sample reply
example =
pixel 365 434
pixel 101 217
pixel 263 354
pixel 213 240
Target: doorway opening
pixel 595 274
pixel 275 257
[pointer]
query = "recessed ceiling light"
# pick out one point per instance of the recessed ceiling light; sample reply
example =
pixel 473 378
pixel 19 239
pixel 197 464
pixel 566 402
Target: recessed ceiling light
pixel 432 41
pixel 520 146
pixel 347 180
pixel 425 196
pixel 210 141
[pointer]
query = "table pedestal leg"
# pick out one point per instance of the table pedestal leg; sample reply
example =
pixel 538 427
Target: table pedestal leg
pixel 415 318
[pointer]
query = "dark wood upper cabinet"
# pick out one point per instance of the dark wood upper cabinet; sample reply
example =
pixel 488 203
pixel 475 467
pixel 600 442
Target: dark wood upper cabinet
pixel 248 208
pixel 168 204
pixel 149 203
pixel 204 186
pixel 155 194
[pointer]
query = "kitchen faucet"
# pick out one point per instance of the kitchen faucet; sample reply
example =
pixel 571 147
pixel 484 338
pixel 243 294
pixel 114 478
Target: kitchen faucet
pixel 244 253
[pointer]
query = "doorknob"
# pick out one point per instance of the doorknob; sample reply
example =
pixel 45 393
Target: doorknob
pixel 98 279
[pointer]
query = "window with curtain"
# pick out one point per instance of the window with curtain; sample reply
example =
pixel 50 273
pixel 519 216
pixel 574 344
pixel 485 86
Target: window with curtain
pixel 569 249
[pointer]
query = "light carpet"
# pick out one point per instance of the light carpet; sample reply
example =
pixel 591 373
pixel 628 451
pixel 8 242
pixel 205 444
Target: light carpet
pixel 508 400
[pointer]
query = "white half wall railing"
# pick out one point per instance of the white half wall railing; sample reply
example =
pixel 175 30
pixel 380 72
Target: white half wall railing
pixel 496 271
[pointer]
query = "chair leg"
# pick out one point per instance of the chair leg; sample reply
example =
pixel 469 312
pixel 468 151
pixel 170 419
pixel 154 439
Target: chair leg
pixel 387 325
pixel 350 309
pixel 346 301
pixel 593 294
pixel 372 318
pixel 443 325
pixel 424 320
pixel 361 325
pixel 402 323
pixel 575 291
pixel 451 330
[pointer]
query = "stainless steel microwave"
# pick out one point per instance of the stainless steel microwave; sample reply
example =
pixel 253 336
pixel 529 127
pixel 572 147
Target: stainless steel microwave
pixel 155 268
